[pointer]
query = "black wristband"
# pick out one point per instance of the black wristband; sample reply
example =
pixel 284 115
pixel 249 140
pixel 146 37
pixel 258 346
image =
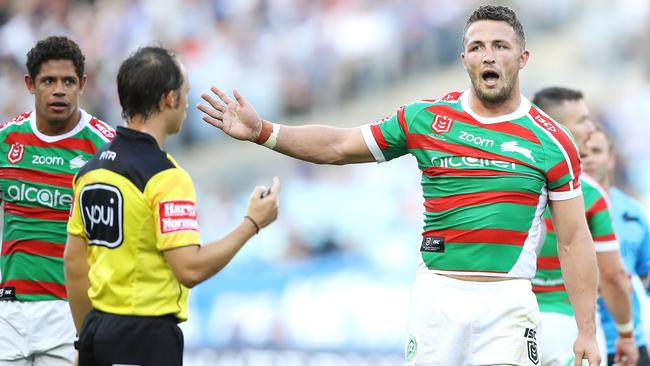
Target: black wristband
pixel 257 227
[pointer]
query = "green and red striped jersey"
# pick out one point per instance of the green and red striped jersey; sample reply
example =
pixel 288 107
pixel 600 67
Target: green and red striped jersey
pixel 485 181
pixel 548 283
pixel 36 172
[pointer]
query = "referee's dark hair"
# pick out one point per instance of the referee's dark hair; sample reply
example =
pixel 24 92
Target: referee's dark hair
pixel 145 77
pixel 55 48
pixel 549 98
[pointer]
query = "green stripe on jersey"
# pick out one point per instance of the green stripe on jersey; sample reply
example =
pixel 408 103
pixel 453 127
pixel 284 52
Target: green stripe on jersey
pixel 515 217
pixel 449 186
pixel 473 257
pixel 30 297
pixel 22 228
pixel 32 267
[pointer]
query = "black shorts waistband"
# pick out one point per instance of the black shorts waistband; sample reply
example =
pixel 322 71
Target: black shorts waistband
pixel 165 317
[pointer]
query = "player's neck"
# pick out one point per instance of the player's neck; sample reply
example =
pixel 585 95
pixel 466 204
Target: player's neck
pixel 153 126
pixel 56 128
pixel 487 109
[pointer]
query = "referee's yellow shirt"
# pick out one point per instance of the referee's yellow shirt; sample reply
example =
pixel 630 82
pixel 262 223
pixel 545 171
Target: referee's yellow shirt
pixel 132 202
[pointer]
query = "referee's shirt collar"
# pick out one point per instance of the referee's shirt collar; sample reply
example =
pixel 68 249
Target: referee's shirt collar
pixel 132 134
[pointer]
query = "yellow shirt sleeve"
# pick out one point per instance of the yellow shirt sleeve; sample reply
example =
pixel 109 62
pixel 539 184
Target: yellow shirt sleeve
pixel 173 202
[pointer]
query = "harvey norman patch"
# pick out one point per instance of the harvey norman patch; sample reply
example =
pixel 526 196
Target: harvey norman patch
pixel 177 215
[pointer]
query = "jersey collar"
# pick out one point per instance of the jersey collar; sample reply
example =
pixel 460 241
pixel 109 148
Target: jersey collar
pixel 522 111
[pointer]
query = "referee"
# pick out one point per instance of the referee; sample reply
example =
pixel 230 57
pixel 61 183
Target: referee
pixel 133 245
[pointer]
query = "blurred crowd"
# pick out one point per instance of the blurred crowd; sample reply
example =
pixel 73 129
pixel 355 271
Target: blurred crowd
pixel 341 255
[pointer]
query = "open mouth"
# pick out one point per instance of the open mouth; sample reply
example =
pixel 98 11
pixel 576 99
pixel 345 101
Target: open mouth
pixel 58 106
pixel 490 77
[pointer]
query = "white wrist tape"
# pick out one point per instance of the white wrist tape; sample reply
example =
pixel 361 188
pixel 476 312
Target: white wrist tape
pixel 625 328
pixel 270 143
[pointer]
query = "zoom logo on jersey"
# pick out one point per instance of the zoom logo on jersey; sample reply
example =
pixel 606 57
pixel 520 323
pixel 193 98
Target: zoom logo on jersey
pixel 476 140
pixel 101 212
pixel 44 196
pixel 177 215
pixel 47 160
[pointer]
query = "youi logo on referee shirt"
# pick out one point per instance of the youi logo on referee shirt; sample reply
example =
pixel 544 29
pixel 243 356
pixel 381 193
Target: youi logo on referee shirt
pixel 101 208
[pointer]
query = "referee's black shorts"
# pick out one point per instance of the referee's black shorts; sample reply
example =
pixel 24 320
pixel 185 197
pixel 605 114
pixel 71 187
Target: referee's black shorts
pixel 108 339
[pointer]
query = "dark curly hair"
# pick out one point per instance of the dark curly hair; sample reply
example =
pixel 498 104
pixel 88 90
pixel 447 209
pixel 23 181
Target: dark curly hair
pixel 144 78
pixel 498 13
pixel 55 48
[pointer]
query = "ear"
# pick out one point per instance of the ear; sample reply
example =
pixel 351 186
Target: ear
pixel 29 83
pixel 82 83
pixel 523 59
pixel 462 60
pixel 169 99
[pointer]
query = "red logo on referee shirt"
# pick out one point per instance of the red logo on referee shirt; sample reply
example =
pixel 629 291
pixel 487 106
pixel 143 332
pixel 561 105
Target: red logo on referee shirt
pixel 441 124
pixel 177 216
pixel 16 152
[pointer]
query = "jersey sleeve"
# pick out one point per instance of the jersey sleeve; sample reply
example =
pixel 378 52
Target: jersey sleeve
pixel 563 166
pixel 75 223
pixel 173 202
pixel 386 139
pixel 599 220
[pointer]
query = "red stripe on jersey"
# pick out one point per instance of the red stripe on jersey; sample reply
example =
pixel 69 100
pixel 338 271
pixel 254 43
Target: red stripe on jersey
pixel 565 141
pixel 607 237
pixel 35 247
pixel 490 236
pixel 472 199
pixel 417 141
pixel 29 139
pixel 379 137
pixel 549 224
pixel 437 171
pixel 548 288
pixel 502 127
pixel 401 118
pixel 36 212
pixel 27 287
pixel 548 262
pixel 598 206
pixel 60 180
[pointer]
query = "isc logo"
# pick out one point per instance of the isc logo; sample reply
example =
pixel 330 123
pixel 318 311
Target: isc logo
pixel 101 212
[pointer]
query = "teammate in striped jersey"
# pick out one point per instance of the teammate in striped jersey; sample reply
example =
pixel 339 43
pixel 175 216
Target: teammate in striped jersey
pixel 490 163
pixel 40 152
pixel 557 327
pixel 631 228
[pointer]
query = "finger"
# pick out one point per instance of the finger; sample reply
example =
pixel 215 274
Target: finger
pixel 213 102
pixel 257 192
pixel 275 187
pixel 213 121
pixel 239 97
pixel 223 96
pixel 209 111
pixel 578 359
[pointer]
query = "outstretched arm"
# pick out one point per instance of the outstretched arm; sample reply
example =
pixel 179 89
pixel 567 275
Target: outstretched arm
pixel 314 143
pixel 578 261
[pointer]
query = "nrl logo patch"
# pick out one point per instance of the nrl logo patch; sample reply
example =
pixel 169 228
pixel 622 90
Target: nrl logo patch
pixel 16 153
pixel 411 349
pixel 441 124
pixel 533 356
